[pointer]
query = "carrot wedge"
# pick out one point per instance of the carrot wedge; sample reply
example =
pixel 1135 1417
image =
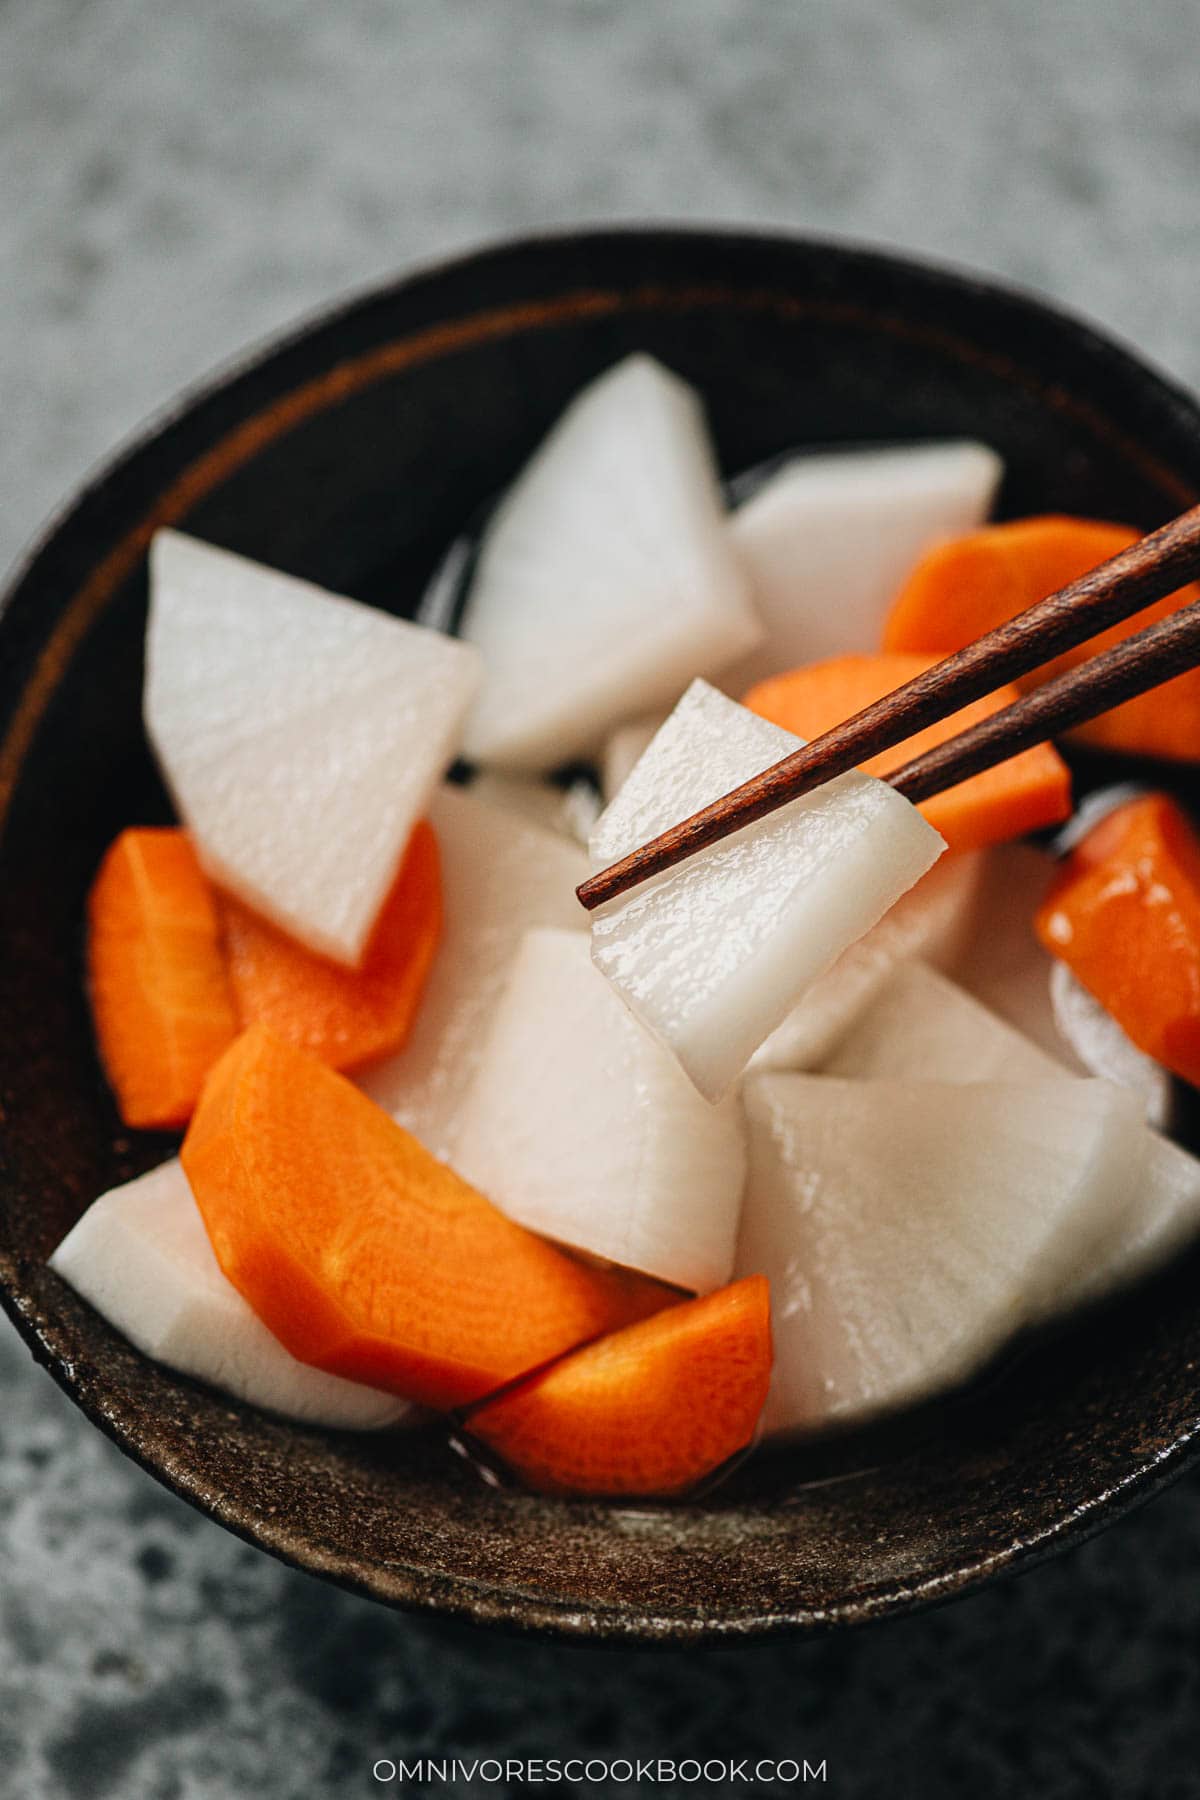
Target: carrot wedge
pixel 970 584
pixel 365 1255
pixel 1124 915
pixel 346 1017
pixel 650 1410
pixel 1017 796
pixel 160 997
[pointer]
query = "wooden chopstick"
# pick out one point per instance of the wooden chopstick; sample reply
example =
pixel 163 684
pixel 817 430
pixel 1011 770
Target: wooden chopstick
pixel 1150 657
pixel 1113 591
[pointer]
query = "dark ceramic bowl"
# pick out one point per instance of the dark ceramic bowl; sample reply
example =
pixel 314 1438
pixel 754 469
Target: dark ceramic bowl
pixel 352 452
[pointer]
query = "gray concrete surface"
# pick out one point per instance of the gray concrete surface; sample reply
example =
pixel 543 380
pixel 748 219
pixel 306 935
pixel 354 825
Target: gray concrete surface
pixel 180 179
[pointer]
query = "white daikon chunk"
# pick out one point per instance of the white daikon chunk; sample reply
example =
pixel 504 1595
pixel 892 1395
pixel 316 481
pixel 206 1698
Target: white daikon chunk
pixel 923 1027
pixel 713 954
pixel 301 734
pixel 1001 961
pixel 928 921
pixel 607 577
pixel 829 540
pixel 141 1256
pixel 501 876
pixel 1102 1046
pixel 1162 1217
pixel 580 1125
pixel 571 810
pixel 624 749
pixel 909 1228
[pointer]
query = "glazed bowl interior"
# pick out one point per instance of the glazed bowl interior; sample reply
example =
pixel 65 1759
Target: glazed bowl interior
pixel 352 453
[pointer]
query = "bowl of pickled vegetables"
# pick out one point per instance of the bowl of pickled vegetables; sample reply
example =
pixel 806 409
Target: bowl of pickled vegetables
pixel 802 1235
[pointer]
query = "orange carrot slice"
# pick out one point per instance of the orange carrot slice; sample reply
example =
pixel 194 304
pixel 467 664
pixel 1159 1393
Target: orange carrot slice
pixel 160 997
pixel 650 1410
pixel 1017 796
pixel 970 584
pixel 365 1255
pixel 1124 915
pixel 346 1017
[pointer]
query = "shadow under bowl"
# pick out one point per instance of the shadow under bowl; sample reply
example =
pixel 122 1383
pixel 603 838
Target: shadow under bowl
pixel 352 452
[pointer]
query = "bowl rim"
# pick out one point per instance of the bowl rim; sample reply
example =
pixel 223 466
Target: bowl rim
pixel 325 315
pixel 409 1585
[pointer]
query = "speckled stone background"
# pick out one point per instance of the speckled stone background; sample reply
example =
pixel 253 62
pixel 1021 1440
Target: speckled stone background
pixel 179 179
